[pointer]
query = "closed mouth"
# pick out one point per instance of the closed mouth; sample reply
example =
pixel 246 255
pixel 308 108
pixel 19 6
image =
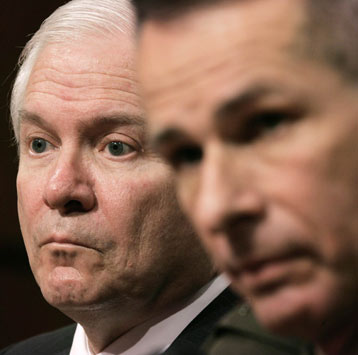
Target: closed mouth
pixel 255 265
pixel 65 242
pixel 263 275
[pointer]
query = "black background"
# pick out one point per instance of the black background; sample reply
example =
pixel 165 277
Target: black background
pixel 23 311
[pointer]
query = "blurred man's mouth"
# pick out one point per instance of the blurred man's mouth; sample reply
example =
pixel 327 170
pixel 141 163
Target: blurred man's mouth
pixel 259 276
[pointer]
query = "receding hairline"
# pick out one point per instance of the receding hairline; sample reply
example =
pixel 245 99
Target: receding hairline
pixel 75 20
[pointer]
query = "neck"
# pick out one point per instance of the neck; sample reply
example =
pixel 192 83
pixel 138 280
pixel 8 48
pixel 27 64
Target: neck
pixel 106 323
pixel 104 326
pixel 140 329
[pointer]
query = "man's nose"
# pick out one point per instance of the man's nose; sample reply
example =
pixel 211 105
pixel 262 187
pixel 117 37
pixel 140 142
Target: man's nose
pixel 69 187
pixel 227 197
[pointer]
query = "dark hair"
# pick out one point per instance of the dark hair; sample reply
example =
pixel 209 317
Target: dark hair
pixel 166 9
pixel 331 34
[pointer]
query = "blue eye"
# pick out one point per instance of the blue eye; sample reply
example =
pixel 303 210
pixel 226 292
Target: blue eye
pixel 39 145
pixel 119 148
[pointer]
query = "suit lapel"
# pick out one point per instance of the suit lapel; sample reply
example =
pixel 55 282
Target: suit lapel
pixel 194 335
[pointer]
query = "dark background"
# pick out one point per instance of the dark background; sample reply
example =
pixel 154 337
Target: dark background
pixel 23 312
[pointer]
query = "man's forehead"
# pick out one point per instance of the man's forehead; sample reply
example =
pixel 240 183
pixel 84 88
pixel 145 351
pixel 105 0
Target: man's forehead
pixel 190 41
pixel 85 76
pixel 87 55
pixel 221 18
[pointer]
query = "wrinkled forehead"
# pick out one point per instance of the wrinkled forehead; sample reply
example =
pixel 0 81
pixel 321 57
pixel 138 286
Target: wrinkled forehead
pixel 70 69
pixel 87 54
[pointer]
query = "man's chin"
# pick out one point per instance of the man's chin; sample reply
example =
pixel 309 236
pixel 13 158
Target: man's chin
pixel 64 287
pixel 287 312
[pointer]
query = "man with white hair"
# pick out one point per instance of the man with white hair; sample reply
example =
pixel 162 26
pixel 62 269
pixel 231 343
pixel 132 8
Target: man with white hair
pixel 106 240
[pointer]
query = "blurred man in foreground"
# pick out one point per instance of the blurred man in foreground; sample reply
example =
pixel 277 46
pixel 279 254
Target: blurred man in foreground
pixel 255 105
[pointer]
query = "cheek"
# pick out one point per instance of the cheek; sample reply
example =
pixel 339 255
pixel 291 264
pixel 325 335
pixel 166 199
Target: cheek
pixel 29 197
pixel 117 203
pixel 187 191
pixel 141 216
pixel 312 191
pixel 128 200
pixel 29 202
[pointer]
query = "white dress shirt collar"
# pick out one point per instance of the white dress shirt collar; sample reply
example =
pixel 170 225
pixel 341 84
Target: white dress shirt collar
pixel 155 335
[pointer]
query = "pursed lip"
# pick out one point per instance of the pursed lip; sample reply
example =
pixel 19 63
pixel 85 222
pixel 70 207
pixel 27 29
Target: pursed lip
pixel 65 241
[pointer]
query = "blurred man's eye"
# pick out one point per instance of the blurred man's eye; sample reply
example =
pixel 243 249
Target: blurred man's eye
pixel 118 148
pixel 264 123
pixel 185 155
pixel 39 145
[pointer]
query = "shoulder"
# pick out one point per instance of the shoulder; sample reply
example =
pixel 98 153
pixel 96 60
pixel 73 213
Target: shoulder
pixel 239 332
pixel 57 342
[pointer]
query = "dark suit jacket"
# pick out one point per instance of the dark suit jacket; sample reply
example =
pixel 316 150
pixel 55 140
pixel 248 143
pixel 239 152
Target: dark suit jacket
pixel 59 342
pixel 236 333
pixel 239 333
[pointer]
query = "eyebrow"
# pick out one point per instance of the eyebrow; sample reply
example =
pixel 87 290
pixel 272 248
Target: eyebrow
pixel 120 119
pixel 242 101
pixel 30 118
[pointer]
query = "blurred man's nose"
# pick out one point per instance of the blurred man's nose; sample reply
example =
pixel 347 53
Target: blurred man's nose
pixel 227 198
pixel 69 188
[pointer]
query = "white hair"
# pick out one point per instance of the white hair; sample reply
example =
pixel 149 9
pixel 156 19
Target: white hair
pixel 72 21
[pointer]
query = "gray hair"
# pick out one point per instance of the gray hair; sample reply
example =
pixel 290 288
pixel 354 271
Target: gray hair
pixel 69 22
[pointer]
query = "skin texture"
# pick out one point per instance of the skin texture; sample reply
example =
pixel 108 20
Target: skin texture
pixel 106 240
pixel 263 143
